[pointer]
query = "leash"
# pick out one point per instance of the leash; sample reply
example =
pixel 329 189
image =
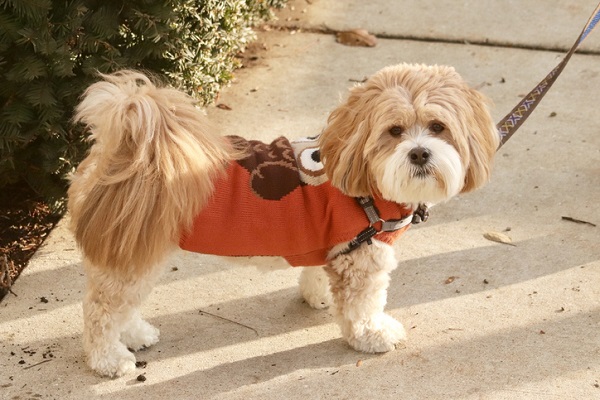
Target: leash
pixel 513 120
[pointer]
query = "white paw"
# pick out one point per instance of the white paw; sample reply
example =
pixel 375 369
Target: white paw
pixel 314 287
pixel 112 362
pixel 318 300
pixel 139 335
pixel 379 334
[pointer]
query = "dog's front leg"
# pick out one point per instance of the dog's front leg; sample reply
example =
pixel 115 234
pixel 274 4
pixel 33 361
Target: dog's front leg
pixel 359 282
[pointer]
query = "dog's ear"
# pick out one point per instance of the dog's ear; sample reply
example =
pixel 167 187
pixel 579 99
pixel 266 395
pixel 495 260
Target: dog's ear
pixel 483 141
pixel 343 140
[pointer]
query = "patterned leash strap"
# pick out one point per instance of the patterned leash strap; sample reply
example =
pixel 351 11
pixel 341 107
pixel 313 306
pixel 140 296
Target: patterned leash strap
pixel 509 124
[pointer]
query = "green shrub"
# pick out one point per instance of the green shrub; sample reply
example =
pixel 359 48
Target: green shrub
pixel 50 51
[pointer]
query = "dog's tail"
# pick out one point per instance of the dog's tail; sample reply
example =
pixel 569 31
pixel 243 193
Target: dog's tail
pixel 149 172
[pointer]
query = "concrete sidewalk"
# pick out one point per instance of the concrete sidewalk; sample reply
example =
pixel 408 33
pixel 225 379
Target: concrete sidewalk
pixel 513 322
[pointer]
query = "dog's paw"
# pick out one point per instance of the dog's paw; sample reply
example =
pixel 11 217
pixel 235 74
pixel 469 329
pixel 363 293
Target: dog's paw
pixel 113 362
pixel 316 293
pixel 379 334
pixel 318 301
pixel 139 335
pixel 314 287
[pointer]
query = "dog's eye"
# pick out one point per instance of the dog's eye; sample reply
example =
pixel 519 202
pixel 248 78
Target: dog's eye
pixel 436 127
pixel 396 130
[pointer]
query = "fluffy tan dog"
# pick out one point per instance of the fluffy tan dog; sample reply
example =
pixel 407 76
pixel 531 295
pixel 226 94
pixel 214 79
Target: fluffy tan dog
pixel 157 176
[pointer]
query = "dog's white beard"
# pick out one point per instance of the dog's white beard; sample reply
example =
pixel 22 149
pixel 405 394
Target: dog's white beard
pixel 440 179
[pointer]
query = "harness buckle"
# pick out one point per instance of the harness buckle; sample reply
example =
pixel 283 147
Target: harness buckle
pixel 367 234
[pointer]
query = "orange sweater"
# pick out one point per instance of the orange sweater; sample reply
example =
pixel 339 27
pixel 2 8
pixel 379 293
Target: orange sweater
pixel 278 202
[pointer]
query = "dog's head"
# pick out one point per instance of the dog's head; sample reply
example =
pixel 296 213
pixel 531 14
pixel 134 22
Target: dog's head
pixel 411 133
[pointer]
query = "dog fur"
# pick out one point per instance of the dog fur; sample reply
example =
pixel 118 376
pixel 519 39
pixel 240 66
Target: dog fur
pixel 411 134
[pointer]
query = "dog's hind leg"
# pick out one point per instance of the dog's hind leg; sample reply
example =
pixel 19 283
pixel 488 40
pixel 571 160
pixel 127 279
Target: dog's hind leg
pixel 112 322
pixel 314 287
pixel 137 334
pixel 359 282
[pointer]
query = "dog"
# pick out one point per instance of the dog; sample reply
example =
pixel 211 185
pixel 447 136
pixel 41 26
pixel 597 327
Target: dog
pixel 159 178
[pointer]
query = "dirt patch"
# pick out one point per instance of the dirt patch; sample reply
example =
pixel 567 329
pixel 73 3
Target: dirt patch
pixel 25 222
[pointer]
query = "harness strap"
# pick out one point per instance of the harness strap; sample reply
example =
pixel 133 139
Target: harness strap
pixel 392 225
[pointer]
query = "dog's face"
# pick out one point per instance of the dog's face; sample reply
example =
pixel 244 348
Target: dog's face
pixel 411 133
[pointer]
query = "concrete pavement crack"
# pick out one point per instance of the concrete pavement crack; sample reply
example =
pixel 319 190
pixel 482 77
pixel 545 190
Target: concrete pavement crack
pixel 325 30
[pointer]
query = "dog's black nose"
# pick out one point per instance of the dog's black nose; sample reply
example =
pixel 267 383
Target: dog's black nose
pixel 419 155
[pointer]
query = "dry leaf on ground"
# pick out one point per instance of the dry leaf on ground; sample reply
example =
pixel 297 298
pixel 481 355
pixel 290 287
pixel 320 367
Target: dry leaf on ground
pixel 223 106
pixel 450 280
pixel 499 238
pixel 356 37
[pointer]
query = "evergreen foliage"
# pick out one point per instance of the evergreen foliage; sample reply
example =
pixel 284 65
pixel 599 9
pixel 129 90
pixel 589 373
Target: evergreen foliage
pixel 51 50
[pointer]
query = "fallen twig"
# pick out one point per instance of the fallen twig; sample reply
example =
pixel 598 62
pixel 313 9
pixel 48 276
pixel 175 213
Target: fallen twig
pixel 578 221
pixel 229 320
pixel 41 362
